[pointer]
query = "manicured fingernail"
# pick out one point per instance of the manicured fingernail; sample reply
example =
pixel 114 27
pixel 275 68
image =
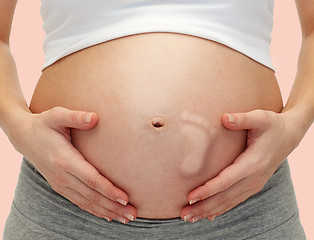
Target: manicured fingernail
pixel 187 217
pixel 129 216
pixel 108 219
pixel 88 117
pixel 193 201
pixel 196 219
pixel 121 201
pixel 213 217
pixel 231 118
pixel 121 219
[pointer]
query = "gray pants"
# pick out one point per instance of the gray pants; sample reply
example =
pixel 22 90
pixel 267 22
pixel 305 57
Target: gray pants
pixel 38 212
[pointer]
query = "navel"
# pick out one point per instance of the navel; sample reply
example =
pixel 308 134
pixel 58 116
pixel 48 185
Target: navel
pixel 158 122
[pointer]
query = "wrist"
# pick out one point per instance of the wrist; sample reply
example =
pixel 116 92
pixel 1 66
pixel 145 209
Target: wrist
pixel 12 120
pixel 302 112
pixel 299 119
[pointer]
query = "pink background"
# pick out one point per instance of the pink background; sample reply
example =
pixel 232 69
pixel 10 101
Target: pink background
pixel 26 45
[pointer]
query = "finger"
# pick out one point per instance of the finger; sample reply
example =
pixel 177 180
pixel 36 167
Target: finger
pixel 62 117
pixel 99 200
pixel 237 171
pixel 89 175
pixel 222 200
pixel 256 119
pixel 232 204
pixel 88 206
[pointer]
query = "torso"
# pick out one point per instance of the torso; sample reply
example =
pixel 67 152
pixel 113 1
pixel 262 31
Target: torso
pixel 187 83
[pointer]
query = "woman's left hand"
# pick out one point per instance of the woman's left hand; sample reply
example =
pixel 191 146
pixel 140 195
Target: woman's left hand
pixel 271 137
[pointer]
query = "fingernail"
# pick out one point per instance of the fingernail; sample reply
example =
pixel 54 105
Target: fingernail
pixel 196 219
pixel 231 118
pixel 213 217
pixel 88 117
pixel 121 201
pixel 187 217
pixel 108 219
pixel 121 219
pixel 193 201
pixel 129 216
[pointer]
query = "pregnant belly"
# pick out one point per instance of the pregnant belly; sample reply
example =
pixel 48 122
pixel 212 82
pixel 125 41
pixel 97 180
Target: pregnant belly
pixel 159 98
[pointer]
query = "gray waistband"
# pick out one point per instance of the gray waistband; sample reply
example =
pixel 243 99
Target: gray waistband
pixel 265 211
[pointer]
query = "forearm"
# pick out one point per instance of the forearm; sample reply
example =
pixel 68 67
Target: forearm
pixel 301 98
pixel 12 101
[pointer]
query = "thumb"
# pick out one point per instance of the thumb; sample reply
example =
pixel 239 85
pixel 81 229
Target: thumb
pixel 256 119
pixel 62 117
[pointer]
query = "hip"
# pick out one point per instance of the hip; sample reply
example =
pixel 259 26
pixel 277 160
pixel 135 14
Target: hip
pixel 38 212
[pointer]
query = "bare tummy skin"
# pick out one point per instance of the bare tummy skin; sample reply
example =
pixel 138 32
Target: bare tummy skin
pixel 159 98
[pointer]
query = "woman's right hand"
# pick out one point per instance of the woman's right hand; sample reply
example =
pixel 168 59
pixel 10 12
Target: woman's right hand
pixel 45 140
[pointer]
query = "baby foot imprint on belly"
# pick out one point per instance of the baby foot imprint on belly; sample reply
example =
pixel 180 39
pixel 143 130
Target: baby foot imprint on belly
pixel 197 131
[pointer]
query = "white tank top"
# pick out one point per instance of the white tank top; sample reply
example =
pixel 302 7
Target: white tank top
pixel 72 25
